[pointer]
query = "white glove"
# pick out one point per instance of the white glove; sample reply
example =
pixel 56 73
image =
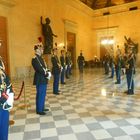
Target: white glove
pixel 61 68
pixel 49 75
pixel 10 99
pixel 66 66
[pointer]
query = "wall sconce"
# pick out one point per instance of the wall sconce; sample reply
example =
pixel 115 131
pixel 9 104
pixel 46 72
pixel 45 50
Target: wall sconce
pixel 61 45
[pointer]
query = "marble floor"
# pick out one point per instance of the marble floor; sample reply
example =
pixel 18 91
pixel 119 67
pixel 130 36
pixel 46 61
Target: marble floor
pixel 91 107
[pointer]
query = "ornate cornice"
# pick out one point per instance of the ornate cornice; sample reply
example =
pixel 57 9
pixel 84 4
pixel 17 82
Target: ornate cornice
pixel 116 9
pixel 80 6
pixel 8 3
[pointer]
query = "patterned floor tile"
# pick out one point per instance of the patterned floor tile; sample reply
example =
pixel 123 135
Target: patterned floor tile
pixel 101 134
pixel 90 107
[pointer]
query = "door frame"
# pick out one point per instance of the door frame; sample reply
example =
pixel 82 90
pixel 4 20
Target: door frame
pixel 105 32
pixel 72 27
pixel 4 52
pixel 71 46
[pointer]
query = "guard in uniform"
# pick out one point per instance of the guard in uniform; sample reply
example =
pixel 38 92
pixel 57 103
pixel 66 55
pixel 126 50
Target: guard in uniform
pixel 56 69
pixel 62 61
pixel 118 68
pixel 106 64
pixel 130 71
pixel 41 77
pixel 67 65
pixel 70 63
pixel 6 102
pixel 112 66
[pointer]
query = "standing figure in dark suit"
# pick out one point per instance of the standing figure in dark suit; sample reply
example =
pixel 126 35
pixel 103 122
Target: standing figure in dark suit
pixel 62 61
pixel 130 71
pixel 41 77
pixel 6 101
pixel 81 62
pixel 56 69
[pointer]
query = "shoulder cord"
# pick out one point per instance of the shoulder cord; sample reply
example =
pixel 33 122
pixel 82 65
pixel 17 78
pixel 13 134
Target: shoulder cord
pixel 3 67
pixel 3 84
pixel 44 69
pixel 3 76
pixel 39 62
pixel 45 63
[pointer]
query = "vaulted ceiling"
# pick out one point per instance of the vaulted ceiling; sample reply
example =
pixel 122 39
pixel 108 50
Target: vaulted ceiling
pixel 98 4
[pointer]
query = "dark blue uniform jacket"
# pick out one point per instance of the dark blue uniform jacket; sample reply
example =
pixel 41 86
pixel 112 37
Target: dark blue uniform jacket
pixel 39 76
pixel 55 67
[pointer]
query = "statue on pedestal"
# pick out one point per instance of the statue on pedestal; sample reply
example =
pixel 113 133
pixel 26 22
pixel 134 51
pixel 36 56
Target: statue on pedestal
pixel 130 44
pixel 48 35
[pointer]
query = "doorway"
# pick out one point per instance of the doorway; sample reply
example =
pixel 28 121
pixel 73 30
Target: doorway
pixel 71 47
pixel 3 43
pixel 106 46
